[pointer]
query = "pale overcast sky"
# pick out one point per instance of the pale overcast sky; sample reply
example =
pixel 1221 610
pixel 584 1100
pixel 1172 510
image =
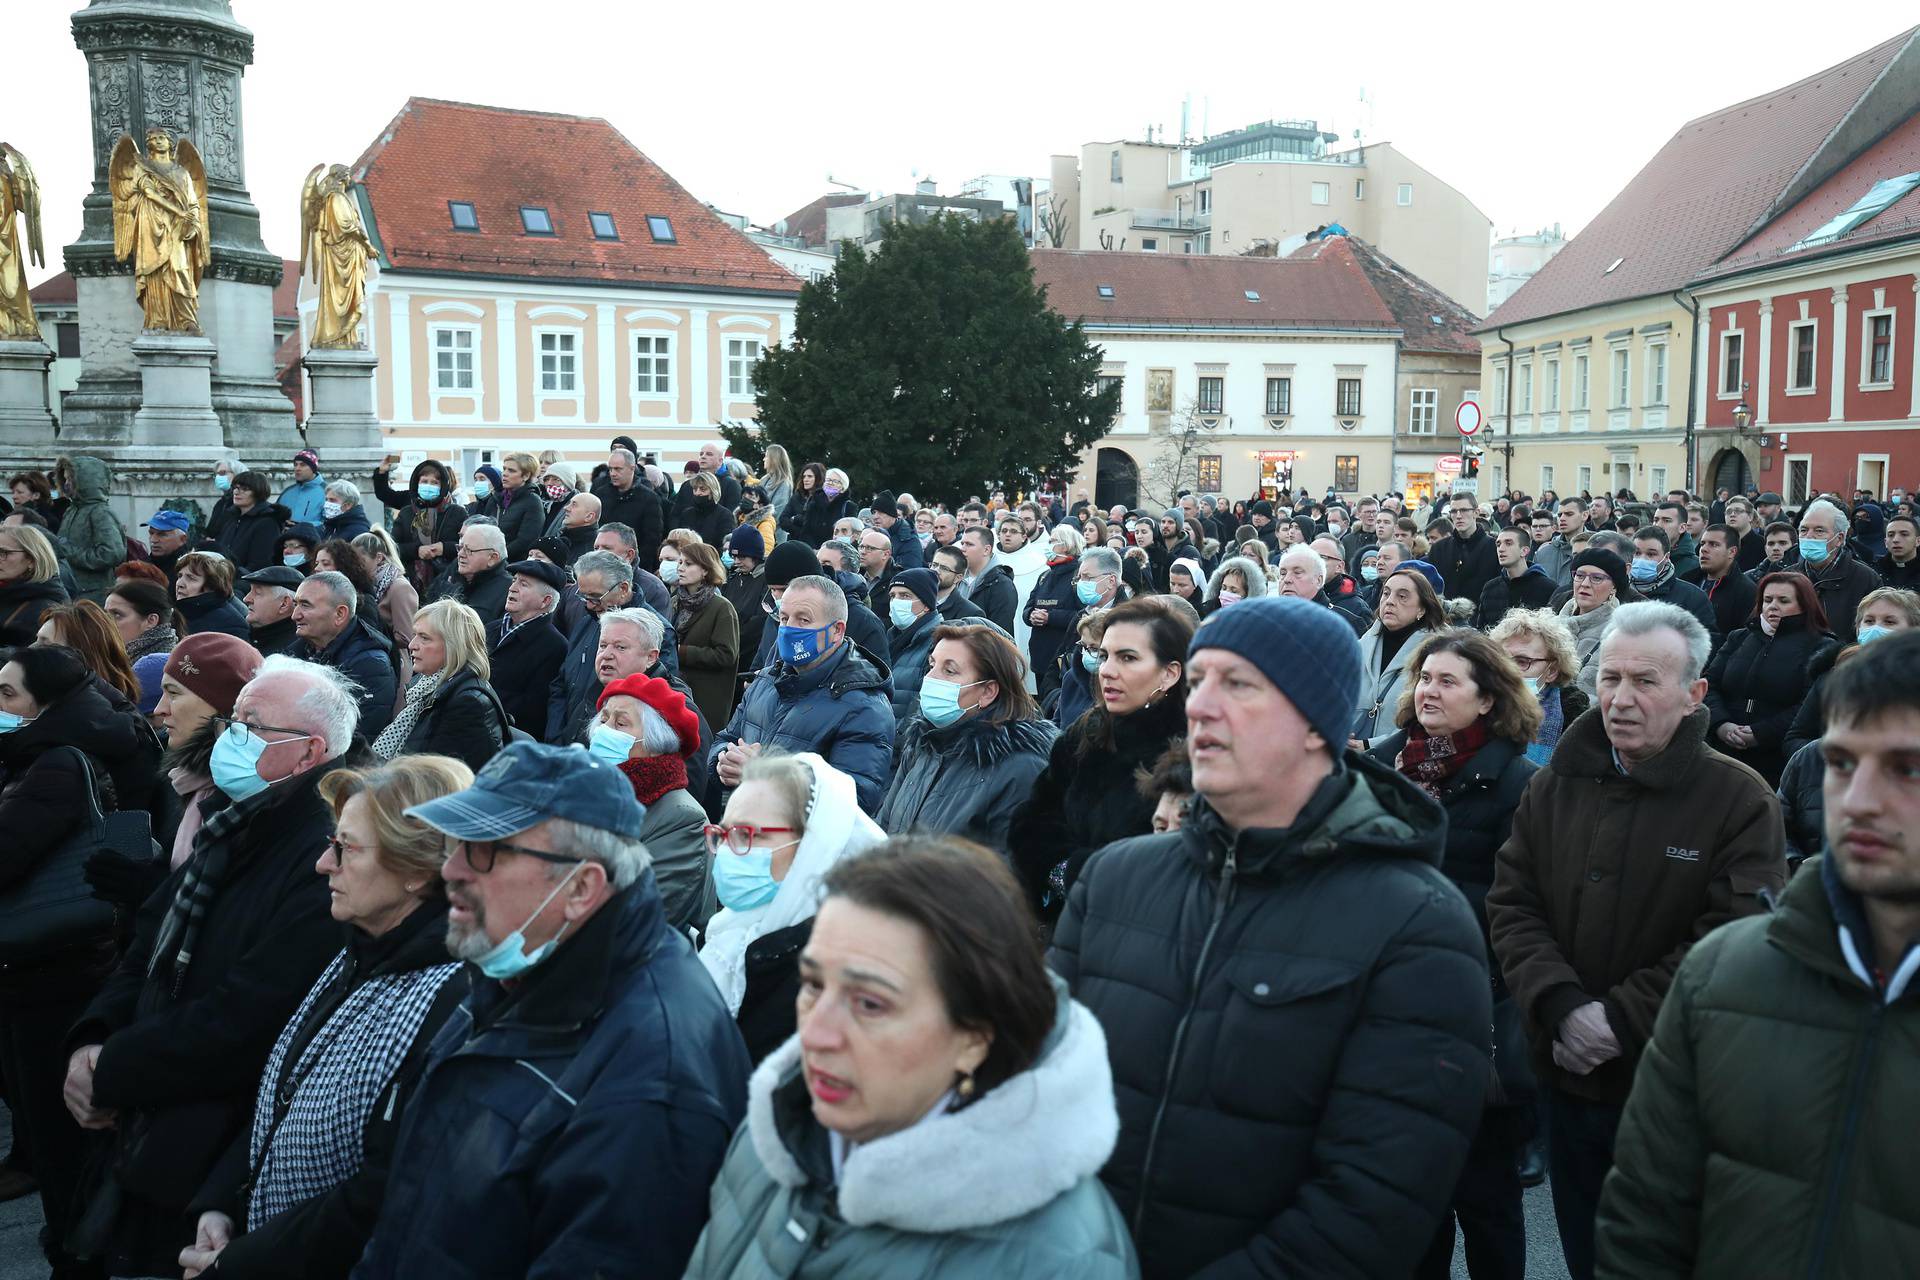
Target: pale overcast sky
pixel 1538 115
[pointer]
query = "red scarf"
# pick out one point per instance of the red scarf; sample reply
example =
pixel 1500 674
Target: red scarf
pixel 654 776
pixel 1431 760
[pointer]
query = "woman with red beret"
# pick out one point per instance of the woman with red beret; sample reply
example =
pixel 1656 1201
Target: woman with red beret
pixel 646 730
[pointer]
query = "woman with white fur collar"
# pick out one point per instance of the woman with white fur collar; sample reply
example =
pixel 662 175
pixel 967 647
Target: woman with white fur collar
pixel 945 1107
pixel 788 822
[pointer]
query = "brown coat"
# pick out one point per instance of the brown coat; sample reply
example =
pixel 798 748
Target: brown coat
pixel 1607 879
pixel 710 656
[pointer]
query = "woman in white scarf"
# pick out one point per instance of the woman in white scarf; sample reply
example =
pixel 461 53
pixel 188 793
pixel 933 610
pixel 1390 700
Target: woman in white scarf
pixel 788 822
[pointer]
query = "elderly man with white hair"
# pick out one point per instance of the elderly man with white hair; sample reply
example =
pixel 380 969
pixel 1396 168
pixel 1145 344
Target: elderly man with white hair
pixel 524 646
pixel 575 1109
pixel 1841 580
pixel 1302 573
pixel 342 515
pixel 478 576
pixel 168 1056
pixel 1341 589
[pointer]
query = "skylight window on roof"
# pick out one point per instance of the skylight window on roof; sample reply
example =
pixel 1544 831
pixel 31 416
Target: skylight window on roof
pixel 1879 197
pixel 1106 290
pixel 1613 266
pixel 603 228
pixel 535 220
pixel 661 229
pixel 1253 295
pixel 461 211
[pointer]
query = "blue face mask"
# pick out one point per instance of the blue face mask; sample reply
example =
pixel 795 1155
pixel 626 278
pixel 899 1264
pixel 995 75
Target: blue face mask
pixel 610 746
pixel 1869 634
pixel 1813 550
pixel 744 881
pixel 294 559
pixel 235 763
pixel 1090 659
pixel 1643 570
pixel 798 646
pixel 223 482
pixel 9 721
pixel 1087 590
pixel 1369 574
pixel 726 559
pixel 481 488
pixel 1532 683
pixel 511 957
pixel 669 571
pixel 900 613
pixel 427 492
pixel 940 701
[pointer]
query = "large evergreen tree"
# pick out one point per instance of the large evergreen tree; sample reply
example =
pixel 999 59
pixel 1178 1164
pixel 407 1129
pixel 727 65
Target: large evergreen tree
pixel 933 366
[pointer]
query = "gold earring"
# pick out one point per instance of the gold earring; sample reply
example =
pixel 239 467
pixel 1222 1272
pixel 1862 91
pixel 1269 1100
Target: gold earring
pixel 965 1087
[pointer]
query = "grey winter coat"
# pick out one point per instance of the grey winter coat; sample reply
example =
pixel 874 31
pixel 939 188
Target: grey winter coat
pixel 1380 687
pixel 966 779
pixel 91 541
pixel 999 1190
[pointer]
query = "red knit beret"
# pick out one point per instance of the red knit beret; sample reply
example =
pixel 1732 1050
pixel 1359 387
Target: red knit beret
pixel 664 698
pixel 213 667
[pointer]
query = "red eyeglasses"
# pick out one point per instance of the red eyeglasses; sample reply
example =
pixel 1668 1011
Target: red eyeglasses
pixel 739 837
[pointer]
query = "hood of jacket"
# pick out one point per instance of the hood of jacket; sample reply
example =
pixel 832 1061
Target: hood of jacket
pixel 1365 809
pixel 1019 1148
pixel 91 477
pixel 980 744
pixel 1532 571
pixel 1585 751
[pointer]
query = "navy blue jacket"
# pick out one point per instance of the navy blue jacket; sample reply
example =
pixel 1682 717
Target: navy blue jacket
pixel 842 709
pixel 349 524
pixel 907 553
pixel 372 662
pixel 908 652
pixel 575 683
pixel 570 1127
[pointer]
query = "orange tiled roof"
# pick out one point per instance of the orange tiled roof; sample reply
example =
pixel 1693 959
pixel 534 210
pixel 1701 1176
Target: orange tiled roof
pixel 1326 291
pixel 499 160
pixel 1431 322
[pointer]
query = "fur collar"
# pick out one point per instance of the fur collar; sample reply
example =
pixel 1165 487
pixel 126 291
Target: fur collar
pixel 1016 1150
pixel 984 745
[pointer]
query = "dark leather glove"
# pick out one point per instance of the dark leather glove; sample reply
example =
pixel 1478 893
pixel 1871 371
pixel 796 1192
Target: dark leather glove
pixel 123 881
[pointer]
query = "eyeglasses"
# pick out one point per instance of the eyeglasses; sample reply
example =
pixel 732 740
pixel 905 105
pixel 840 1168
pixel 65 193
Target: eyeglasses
pixel 1526 662
pixel 338 849
pixel 255 730
pixel 1591 579
pixel 739 837
pixel 482 854
pixel 597 596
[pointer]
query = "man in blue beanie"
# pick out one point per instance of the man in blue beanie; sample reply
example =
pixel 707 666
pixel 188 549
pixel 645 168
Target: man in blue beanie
pixel 1295 999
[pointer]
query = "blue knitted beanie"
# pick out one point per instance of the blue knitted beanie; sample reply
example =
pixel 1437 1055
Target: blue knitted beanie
pixel 1306 649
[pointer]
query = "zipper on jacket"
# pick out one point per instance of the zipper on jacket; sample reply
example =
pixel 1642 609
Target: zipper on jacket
pixel 1843 1154
pixel 1222 900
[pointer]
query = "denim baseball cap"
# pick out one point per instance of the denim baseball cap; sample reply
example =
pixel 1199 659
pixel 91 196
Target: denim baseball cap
pixel 529 782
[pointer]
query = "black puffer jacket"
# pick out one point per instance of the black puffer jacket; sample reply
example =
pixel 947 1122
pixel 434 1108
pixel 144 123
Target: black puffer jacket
pixel 465 720
pixel 1053 592
pixel 211 611
pixel 811 520
pixel 252 540
pixel 1810 721
pixel 1759 681
pixel 766 1015
pixel 1803 803
pixel 523 518
pixel 446 518
pixel 1085 798
pixel 21 606
pixel 1298 1023
pixel 964 780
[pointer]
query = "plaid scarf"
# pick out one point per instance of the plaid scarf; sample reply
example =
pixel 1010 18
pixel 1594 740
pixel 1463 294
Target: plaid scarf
pixel 1431 760
pixel 1553 718
pixel 207 868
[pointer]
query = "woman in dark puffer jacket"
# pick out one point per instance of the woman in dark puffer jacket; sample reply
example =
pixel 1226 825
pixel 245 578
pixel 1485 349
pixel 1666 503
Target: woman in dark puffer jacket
pixel 1758 679
pixel 969 756
pixel 428 526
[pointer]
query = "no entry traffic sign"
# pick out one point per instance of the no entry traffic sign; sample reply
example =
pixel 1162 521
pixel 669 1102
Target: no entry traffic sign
pixel 1467 417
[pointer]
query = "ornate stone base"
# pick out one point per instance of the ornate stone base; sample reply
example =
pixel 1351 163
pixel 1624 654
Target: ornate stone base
pixel 145 478
pixel 176 392
pixel 23 390
pixel 341 423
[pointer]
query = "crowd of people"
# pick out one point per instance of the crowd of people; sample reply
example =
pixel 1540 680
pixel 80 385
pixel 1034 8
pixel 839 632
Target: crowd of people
pixel 573 869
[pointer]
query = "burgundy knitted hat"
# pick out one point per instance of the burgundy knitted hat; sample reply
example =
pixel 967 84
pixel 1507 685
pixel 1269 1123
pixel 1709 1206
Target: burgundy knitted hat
pixel 213 667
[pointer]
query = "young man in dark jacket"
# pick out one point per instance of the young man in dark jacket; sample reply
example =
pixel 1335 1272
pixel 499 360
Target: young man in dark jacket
pixel 1519 584
pixel 1770 1129
pixel 169 1054
pixel 1634 842
pixel 989 586
pixel 1465 560
pixel 1900 567
pixel 1730 593
pixel 577 1107
pixel 1295 998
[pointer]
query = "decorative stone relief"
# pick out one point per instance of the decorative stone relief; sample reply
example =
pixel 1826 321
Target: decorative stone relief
pixel 164 93
pixel 112 107
pixel 219 135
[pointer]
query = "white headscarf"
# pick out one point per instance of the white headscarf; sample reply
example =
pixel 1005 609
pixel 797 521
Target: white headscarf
pixel 835 828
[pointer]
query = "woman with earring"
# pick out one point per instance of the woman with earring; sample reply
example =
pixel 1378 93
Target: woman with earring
pixel 1085 798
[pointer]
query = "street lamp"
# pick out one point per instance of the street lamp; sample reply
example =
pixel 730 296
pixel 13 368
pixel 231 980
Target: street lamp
pixel 1742 416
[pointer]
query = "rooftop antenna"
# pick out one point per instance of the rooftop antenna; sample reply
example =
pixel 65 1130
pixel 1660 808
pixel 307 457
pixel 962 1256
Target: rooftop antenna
pixel 1186 113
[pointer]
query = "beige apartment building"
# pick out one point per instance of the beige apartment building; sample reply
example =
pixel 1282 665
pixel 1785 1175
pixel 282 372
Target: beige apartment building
pixel 1259 191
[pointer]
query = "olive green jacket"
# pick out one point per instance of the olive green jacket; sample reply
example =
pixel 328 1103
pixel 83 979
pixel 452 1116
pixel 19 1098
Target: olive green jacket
pixel 1774 1125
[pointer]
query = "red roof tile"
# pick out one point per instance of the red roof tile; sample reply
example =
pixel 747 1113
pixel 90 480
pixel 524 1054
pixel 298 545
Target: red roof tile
pixel 1432 322
pixel 434 152
pixel 55 290
pixel 809 221
pixel 286 294
pixel 1700 196
pixel 1327 291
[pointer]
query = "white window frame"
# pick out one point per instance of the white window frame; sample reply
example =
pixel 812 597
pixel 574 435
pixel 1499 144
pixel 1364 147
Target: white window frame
pixel 1552 372
pixel 1423 411
pixel 1657 478
pixel 1582 381
pixel 1866 349
pixel 1500 387
pixel 672 353
pixel 1720 388
pixel 1526 386
pixel 1793 358
pixel 472 332
pixel 562 359
pixel 1359 396
pixel 1786 479
pixel 1860 471
pixel 1546 480
pixel 1149 246
pixel 1320 193
pixel 740 367
pixel 1658 367
pixel 1583 478
pixel 1286 395
pixel 1405 195
pixel 1200 392
pixel 1359 188
pixel 1620 378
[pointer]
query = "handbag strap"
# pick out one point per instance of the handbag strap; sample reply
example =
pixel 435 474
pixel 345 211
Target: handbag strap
pixel 94 811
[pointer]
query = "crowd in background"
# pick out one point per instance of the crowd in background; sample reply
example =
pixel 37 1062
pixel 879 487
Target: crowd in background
pixel 573 869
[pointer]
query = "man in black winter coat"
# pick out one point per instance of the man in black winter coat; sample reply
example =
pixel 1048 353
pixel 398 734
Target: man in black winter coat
pixel 626 498
pixel 1519 585
pixel 1466 561
pixel 524 648
pixel 1295 998
pixel 169 1055
pixel 478 576
pixel 989 586
pixel 1730 593
pixel 1841 581
pixel 1900 567
pixel 330 635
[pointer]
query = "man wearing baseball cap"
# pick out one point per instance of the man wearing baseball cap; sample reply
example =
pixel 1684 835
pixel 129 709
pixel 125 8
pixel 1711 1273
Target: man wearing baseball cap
pixel 167 539
pixel 577 1106
pixel 1316 989
pixel 306 497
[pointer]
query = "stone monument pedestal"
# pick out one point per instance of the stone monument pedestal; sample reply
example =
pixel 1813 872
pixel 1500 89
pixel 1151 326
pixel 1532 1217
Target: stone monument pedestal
pixel 176 391
pixel 23 390
pixel 342 426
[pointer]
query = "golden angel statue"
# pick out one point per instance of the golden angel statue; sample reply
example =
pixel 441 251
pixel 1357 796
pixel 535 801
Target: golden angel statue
pixel 335 248
pixel 160 222
pixel 19 194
